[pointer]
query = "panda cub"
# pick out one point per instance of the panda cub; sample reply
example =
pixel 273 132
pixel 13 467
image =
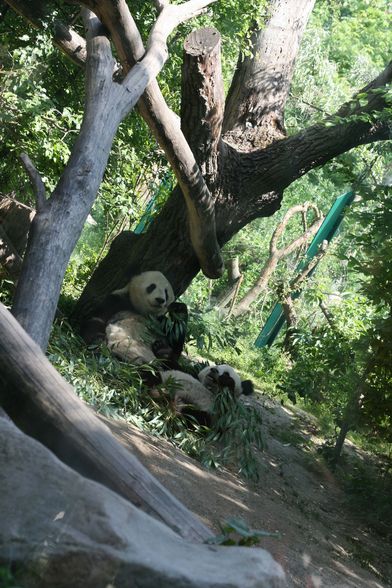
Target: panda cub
pixel 196 397
pixel 225 375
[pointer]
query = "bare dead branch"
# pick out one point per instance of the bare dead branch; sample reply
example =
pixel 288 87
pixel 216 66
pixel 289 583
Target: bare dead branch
pixel 277 254
pixel 36 182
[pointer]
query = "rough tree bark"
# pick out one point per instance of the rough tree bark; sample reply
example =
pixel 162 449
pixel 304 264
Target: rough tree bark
pixel 246 181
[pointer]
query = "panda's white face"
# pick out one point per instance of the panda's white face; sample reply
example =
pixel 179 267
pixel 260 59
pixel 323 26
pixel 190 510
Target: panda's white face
pixel 150 293
pixel 210 373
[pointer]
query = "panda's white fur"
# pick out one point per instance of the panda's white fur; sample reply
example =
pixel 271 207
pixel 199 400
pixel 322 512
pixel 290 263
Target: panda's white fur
pixel 150 293
pixel 189 392
pixel 127 336
pixel 209 375
pixel 200 393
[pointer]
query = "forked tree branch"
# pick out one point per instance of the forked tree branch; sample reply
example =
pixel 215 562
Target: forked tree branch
pixel 276 167
pixel 163 123
pixel 159 117
pixel 277 254
pixel 36 182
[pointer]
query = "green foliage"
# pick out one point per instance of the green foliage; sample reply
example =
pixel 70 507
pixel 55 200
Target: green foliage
pixel 238 429
pixel 115 389
pixel 7 578
pixel 325 368
pixel 206 330
pixel 39 114
pixel 236 531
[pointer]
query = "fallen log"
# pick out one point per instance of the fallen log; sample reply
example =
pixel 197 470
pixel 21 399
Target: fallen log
pixel 43 405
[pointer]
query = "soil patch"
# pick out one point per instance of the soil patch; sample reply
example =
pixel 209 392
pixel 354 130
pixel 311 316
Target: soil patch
pixel 322 543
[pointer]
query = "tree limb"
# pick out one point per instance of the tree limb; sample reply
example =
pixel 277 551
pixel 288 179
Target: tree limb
pixel 36 182
pixel 277 166
pixel 70 43
pixel 254 114
pixel 163 123
pixel 46 407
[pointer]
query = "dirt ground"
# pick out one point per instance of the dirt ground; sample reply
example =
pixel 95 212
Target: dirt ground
pixel 322 542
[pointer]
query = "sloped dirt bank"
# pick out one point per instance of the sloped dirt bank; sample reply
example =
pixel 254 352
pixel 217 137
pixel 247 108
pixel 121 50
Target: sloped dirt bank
pixel 322 543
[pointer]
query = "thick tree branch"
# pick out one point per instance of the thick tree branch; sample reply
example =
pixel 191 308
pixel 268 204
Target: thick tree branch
pixel 36 182
pixel 164 125
pixel 70 43
pixel 202 102
pixel 260 87
pixel 277 166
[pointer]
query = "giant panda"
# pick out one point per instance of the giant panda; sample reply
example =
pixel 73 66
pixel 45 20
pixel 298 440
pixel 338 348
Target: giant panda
pixel 122 320
pixel 127 336
pixel 225 375
pixel 148 293
pixel 195 398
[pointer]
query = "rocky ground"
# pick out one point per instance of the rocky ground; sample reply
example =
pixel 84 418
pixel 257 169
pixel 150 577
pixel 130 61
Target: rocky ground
pixel 322 543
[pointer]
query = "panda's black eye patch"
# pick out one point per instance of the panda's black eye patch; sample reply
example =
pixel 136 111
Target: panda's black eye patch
pixel 150 288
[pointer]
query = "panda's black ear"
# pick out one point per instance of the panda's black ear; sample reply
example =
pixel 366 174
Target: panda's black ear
pixel 247 387
pixel 132 271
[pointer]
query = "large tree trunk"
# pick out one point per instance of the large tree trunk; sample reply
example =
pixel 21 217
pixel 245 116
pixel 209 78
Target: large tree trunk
pixel 60 219
pixel 246 166
pixel 44 406
pixel 246 181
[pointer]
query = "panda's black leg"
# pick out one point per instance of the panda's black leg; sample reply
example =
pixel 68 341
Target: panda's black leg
pixel 163 351
pixel 178 313
pixel 247 387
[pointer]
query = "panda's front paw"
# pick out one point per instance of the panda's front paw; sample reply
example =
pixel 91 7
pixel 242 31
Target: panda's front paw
pixel 226 381
pixel 211 380
pixel 162 349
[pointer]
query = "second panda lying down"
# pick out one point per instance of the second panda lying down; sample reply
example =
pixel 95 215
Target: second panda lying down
pixel 127 336
pixel 200 394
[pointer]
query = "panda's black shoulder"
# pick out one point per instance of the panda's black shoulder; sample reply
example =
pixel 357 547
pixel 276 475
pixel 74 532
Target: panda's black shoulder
pixel 93 329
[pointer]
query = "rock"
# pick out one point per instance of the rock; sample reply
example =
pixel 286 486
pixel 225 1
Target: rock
pixel 61 530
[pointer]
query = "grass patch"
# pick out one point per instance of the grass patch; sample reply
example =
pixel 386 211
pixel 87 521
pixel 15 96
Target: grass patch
pixel 115 389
